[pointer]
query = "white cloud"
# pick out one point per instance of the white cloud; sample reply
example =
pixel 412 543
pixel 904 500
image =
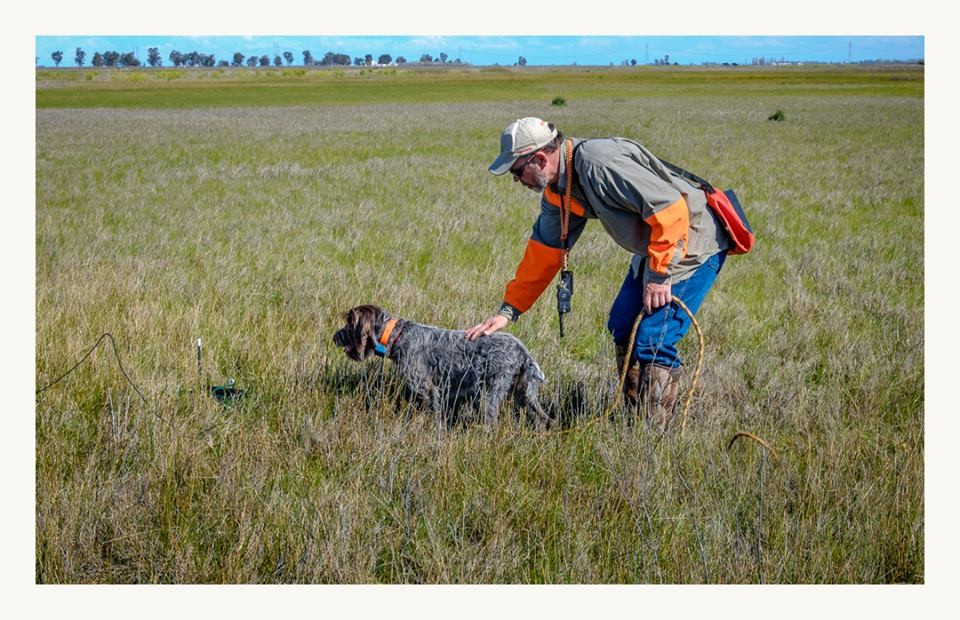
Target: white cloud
pixel 429 41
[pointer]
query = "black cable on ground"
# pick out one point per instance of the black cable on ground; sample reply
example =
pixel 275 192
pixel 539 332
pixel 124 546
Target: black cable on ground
pixel 116 353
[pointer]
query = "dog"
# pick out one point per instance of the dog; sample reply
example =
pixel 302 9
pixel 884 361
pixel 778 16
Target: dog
pixel 444 371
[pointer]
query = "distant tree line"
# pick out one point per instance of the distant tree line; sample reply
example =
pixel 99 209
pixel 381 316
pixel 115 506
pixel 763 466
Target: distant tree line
pixel 197 59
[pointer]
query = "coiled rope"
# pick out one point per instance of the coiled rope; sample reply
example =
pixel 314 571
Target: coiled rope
pixel 696 373
pixel 693 382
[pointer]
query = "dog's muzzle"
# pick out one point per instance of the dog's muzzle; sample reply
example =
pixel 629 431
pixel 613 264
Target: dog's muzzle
pixel 340 338
pixel 343 339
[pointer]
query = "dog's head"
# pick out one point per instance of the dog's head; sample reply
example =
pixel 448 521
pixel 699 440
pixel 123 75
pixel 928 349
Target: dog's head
pixel 358 336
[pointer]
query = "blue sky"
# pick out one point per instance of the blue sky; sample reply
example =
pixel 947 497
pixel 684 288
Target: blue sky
pixel 505 50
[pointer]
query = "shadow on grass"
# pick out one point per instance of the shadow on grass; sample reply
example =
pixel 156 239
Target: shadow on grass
pixel 372 384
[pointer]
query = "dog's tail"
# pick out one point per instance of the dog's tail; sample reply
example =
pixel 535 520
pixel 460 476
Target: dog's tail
pixel 533 370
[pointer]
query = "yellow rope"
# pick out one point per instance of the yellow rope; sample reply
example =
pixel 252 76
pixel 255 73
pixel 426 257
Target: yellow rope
pixel 739 434
pixel 696 372
pixel 689 395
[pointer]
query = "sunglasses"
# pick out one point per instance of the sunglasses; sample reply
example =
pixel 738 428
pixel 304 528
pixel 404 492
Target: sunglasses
pixel 518 172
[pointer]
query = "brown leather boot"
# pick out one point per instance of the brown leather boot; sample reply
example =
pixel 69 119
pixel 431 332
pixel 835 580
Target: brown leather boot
pixel 661 386
pixel 631 383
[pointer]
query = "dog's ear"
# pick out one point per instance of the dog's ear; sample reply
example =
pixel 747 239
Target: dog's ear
pixel 367 321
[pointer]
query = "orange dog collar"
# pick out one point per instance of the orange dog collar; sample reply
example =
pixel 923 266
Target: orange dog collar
pixel 381 347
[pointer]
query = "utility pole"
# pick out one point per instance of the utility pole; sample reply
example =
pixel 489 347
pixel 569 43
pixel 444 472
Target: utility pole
pixel 646 54
pixel 849 52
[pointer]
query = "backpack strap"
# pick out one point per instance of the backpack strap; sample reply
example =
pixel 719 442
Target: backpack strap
pixel 703 183
pixel 726 207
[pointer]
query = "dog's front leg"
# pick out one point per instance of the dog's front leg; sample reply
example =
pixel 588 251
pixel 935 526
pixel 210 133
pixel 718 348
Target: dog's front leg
pixel 429 396
pixel 436 402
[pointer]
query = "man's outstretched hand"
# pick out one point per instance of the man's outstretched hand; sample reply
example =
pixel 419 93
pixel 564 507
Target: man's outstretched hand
pixel 493 324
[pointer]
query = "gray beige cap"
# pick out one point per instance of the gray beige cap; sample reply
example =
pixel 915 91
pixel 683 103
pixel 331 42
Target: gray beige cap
pixel 521 137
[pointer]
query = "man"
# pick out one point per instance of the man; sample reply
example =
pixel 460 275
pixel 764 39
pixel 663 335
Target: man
pixel 678 245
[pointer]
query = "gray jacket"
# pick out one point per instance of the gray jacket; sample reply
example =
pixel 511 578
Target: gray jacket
pixel 660 218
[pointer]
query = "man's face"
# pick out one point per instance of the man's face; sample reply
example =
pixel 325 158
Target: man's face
pixel 531 173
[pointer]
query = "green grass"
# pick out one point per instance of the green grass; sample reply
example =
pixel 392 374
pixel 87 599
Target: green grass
pixel 190 88
pixel 252 213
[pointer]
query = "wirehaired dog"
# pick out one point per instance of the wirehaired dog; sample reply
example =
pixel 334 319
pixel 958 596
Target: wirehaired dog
pixel 443 370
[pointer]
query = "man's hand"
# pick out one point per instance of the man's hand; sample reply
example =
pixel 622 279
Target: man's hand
pixel 491 325
pixel 656 295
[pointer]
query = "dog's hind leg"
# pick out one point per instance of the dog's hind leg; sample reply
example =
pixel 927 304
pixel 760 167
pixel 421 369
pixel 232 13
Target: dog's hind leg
pixel 541 418
pixel 525 395
pixel 491 410
pixel 497 391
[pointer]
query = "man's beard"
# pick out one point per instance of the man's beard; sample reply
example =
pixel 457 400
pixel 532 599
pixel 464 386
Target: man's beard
pixel 540 180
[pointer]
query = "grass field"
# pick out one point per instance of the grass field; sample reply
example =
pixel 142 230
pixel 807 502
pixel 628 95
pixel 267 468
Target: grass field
pixel 251 208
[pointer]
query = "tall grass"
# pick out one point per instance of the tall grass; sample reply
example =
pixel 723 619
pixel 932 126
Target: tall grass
pixel 254 227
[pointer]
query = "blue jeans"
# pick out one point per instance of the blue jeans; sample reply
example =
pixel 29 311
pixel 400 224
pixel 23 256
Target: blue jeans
pixel 659 333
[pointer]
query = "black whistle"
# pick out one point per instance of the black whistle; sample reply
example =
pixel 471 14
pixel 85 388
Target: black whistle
pixel 564 295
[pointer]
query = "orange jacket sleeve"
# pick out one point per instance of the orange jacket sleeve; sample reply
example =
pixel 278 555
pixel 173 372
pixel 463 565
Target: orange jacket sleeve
pixel 669 229
pixel 539 264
